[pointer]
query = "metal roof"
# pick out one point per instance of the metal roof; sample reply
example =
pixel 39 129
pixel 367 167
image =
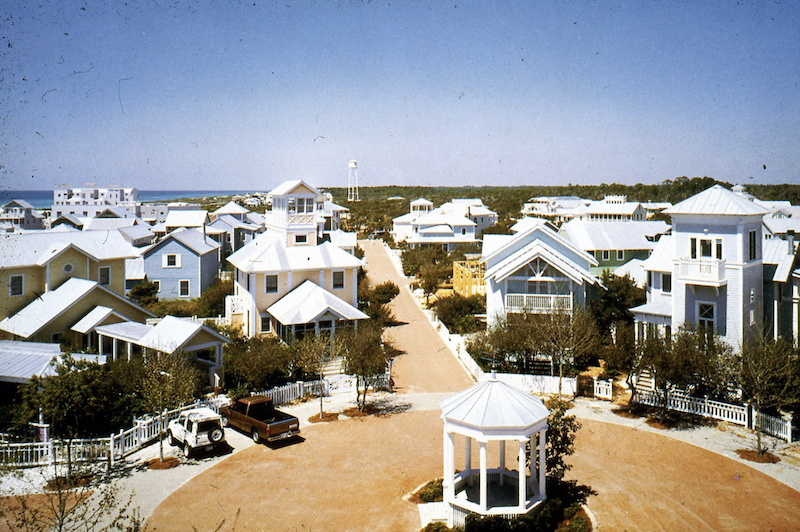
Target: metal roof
pixel 32 248
pixel 717 200
pixel 94 318
pixel 269 253
pixel 308 302
pixel 231 208
pixel 20 361
pixel 614 235
pixel 494 405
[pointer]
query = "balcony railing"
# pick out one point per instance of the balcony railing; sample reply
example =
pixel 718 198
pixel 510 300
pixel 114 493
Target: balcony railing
pixel 538 303
pixel 301 218
pixel 705 271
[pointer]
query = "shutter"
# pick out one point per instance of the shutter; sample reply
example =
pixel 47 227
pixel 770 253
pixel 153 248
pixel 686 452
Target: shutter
pixel 178 260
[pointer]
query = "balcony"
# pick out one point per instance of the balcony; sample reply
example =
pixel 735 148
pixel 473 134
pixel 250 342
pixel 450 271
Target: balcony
pixel 704 272
pixel 538 303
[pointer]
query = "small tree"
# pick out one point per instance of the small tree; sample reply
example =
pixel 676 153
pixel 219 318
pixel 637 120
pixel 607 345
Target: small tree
pixel 168 381
pixel 768 372
pixel 366 355
pixel 313 354
pixel 561 431
pixel 258 362
pixel 78 498
pixel 144 293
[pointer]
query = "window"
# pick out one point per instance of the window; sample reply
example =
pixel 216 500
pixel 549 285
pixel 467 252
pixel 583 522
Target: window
pixel 300 239
pixel 719 248
pixel 184 289
pixel 16 285
pixel 271 284
pixel 172 260
pixel 68 267
pixel 693 246
pixel 649 280
pixel 463 231
pixel 606 254
pixel 266 324
pixel 666 282
pixel 752 245
pixel 158 285
pixel 705 319
pixel 705 247
pixel 620 254
pixel 104 275
pixel 338 280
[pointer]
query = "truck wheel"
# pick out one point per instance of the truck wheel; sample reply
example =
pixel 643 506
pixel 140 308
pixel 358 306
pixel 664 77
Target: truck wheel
pixel 187 451
pixel 216 435
pixel 172 440
pixel 256 437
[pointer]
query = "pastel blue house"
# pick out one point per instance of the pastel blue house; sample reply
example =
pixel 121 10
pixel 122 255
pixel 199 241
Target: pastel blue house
pixel 182 264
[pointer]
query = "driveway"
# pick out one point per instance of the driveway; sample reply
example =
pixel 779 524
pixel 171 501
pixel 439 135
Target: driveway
pixel 351 474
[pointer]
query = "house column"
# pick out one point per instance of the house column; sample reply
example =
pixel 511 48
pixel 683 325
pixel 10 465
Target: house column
pixel 484 486
pixel 523 492
pixel 113 348
pixel 100 338
pixel 542 464
pixel 468 459
pixel 47 277
pixel 130 350
pixel 502 461
pixel 218 358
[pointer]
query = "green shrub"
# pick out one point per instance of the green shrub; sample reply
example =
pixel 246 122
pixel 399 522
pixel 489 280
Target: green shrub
pixel 432 491
pixel 458 312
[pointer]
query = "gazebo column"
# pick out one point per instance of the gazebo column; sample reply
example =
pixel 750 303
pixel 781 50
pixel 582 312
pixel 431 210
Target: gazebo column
pixel 468 459
pixel 523 485
pixel 542 465
pixel 449 474
pixel 502 461
pixel 484 486
pixel 532 479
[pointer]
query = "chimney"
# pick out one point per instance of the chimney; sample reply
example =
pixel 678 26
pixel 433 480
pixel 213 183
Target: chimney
pixel 790 239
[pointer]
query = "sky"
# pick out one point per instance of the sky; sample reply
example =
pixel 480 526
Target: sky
pixel 165 94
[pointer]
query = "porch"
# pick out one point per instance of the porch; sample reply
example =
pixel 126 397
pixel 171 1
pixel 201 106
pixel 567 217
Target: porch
pixel 539 303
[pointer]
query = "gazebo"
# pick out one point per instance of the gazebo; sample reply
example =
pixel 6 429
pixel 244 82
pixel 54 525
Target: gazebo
pixel 493 412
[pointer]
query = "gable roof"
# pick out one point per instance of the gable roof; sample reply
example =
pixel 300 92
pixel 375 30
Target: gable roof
pixel 776 252
pixel 619 235
pixel 37 247
pixel 661 259
pixel 20 361
pixel 287 187
pixel 193 239
pixel 269 253
pixel 188 218
pixel 95 317
pixel 230 208
pixel 717 200
pixel 308 302
pixel 17 203
pixel 170 334
pixel 31 318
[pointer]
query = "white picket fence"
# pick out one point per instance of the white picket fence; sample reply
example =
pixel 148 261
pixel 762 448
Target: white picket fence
pixel 603 389
pixel 113 448
pixel 295 390
pixel 535 384
pixel 736 414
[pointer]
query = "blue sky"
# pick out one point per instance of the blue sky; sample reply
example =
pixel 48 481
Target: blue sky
pixel 183 95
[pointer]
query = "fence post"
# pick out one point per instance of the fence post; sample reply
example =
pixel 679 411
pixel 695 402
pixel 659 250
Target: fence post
pixel 121 442
pixel 749 415
pixel 301 389
pixel 51 456
pixel 111 451
pixel 789 427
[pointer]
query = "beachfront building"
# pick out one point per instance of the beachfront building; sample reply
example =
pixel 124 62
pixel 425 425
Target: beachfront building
pixel 716 272
pixel 89 200
pixel 614 208
pixel 535 270
pixel 21 215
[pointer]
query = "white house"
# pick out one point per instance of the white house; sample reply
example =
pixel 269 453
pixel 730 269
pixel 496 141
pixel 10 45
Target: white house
pixel 289 281
pixel 536 270
pixel 460 221
pixel 710 273
pixel 21 215
pixel 89 200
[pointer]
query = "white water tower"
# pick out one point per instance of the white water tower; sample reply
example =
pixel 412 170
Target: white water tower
pixel 352 182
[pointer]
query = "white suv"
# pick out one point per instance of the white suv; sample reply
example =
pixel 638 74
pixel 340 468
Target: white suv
pixel 196 428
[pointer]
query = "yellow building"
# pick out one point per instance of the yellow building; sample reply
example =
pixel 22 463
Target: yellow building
pixel 468 278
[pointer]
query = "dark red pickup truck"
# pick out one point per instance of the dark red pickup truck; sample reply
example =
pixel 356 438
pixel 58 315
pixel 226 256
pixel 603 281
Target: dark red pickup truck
pixel 257 416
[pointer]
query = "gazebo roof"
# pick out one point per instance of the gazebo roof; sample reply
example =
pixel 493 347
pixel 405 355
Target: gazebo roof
pixel 495 407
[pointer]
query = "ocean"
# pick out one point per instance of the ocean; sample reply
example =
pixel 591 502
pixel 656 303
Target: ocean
pixel 43 199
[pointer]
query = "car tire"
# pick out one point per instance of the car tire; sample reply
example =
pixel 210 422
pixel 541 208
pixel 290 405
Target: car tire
pixel 256 436
pixel 172 440
pixel 215 435
pixel 187 450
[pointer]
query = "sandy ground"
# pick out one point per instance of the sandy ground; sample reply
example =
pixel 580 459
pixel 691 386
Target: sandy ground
pixel 351 474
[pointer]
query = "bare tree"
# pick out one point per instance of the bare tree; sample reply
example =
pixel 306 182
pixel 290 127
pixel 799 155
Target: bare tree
pixel 81 497
pixel 313 354
pixel 768 376
pixel 168 381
